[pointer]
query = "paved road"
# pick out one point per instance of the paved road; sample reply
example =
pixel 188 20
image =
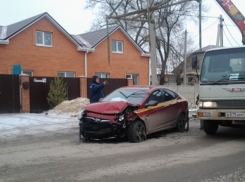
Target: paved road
pixel 57 156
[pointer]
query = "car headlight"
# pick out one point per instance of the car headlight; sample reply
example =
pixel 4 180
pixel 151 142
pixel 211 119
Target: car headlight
pixel 80 115
pixel 208 104
pixel 121 118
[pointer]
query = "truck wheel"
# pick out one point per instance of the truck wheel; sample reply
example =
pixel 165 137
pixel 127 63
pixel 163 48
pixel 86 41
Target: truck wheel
pixel 136 132
pixel 210 126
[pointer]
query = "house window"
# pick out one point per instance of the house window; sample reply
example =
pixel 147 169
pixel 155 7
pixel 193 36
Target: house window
pixel 27 72
pixel 103 75
pixel 117 46
pixel 66 74
pixel 134 77
pixel 44 39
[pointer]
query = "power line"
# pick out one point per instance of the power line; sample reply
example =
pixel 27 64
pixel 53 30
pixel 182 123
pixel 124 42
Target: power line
pixel 207 27
pixel 210 25
pixel 228 39
pixel 230 33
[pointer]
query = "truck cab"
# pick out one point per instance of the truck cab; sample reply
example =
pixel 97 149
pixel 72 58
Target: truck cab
pixel 222 88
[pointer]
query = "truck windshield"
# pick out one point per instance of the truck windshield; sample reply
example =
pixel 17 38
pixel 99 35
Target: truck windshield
pixel 226 65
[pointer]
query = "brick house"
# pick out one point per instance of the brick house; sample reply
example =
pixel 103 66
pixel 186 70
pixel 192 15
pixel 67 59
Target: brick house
pixel 44 48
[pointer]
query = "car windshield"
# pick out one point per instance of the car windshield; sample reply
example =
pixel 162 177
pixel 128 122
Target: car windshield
pixel 128 95
pixel 227 66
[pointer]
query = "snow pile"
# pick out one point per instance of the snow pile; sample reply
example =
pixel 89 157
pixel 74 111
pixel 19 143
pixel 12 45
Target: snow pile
pixel 70 107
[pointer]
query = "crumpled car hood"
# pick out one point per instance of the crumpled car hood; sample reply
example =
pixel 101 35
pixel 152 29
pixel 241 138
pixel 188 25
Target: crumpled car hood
pixel 107 107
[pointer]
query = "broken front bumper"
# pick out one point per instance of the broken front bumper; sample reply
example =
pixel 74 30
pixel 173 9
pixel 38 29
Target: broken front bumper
pixel 97 130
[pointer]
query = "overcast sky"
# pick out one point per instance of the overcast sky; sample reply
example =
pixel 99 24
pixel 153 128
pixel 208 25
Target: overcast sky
pixel 72 16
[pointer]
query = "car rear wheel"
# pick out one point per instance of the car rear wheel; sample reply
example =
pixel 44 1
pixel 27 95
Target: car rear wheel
pixel 182 123
pixel 210 127
pixel 136 132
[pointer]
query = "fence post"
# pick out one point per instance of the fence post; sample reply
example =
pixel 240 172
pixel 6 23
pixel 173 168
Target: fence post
pixel 83 86
pixel 25 93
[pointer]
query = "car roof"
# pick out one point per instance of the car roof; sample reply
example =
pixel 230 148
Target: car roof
pixel 144 87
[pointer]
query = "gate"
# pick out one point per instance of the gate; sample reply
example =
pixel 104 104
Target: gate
pixel 9 94
pixel 113 84
pixel 39 88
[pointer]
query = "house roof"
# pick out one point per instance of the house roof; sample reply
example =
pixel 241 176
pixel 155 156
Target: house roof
pixel 94 38
pixel 7 32
pixel 84 42
pixel 17 27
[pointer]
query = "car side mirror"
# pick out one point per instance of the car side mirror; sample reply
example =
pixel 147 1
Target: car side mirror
pixel 194 62
pixel 151 103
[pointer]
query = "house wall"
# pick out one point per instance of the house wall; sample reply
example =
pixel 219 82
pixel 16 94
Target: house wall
pixel 129 62
pixel 44 61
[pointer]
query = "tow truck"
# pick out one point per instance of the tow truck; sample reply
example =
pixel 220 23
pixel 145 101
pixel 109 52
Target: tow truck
pixel 222 81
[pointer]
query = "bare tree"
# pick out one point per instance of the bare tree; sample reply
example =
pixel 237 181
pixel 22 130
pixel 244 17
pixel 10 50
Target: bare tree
pixel 169 24
pixel 169 30
pixel 137 29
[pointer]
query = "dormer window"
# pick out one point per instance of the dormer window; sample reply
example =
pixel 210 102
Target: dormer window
pixel 117 46
pixel 43 38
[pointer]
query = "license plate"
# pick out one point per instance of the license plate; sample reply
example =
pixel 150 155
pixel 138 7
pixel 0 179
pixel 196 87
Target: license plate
pixel 235 115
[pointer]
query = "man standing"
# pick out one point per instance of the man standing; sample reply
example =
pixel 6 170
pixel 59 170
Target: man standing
pixel 96 89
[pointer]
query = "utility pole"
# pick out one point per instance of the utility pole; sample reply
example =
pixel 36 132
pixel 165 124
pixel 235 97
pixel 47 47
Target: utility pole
pixel 221 30
pixel 185 58
pixel 218 36
pixel 219 41
pixel 152 34
pixel 200 24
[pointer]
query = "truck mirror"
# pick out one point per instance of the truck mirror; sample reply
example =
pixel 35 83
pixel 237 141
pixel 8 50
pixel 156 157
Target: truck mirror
pixel 194 62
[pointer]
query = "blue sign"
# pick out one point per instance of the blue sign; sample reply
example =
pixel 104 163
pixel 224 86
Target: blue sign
pixel 16 69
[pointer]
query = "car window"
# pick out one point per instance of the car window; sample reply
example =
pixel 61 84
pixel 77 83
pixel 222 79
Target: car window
pixel 156 96
pixel 169 95
pixel 127 95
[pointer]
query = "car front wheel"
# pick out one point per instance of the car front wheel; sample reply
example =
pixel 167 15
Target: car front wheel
pixel 136 132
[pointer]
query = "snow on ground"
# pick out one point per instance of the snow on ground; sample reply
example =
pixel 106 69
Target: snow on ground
pixel 12 125
pixel 60 118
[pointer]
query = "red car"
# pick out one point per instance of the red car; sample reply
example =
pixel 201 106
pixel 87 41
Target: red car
pixel 134 112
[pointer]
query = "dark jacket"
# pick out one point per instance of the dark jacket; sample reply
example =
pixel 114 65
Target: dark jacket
pixel 96 92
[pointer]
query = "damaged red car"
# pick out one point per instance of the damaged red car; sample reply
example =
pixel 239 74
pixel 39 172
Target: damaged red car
pixel 133 113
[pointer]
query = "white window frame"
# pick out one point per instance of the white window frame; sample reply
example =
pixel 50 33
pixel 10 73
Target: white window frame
pixel 135 78
pixel 43 39
pixel 103 75
pixel 117 49
pixel 27 72
pixel 65 74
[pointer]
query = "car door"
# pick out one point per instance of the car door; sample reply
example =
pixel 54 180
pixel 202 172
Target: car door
pixel 154 115
pixel 170 109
